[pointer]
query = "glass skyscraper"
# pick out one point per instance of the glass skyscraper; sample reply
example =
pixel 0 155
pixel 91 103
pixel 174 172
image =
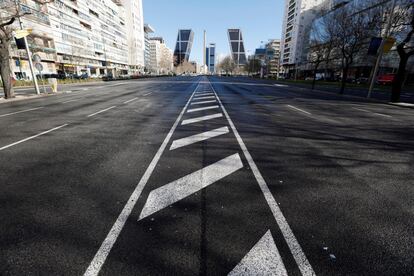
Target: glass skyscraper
pixel 237 46
pixel 211 57
pixel 183 46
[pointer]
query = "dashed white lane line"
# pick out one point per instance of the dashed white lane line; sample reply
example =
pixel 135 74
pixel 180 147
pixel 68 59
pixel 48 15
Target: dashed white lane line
pixel 69 101
pixel 173 192
pixel 373 113
pixel 298 109
pixel 293 244
pixel 131 100
pixel 21 111
pixel 199 137
pixel 200 119
pixel 202 108
pixel 205 98
pixel 101 111
pixel 263 259
pixel 280 85
pixel 32 137
pixel 203 102
pixel 106 246
pixel 148 94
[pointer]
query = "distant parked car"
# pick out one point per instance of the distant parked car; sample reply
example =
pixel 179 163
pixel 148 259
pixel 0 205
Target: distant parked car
pixel 386 79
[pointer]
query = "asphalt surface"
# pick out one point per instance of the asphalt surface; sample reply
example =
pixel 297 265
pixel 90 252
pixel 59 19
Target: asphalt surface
pixel 205 176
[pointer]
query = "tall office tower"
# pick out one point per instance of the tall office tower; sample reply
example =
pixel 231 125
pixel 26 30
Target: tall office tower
pixel 211 58
pixel 134 21
pixel 237 46
pixel 183 46
pixel 148 29
pixel 297 23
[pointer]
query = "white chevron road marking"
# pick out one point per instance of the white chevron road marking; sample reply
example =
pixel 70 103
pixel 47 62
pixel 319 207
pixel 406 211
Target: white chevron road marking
pixel 202 108
pixel 175 191
pixel 199 137
pixel 204 102
pixel 203 118
pixel 263 259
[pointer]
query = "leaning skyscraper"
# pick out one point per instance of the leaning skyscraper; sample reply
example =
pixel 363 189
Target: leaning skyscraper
pixel 237 46
pixel 183 46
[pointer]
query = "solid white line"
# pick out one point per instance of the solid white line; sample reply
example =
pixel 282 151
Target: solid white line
pixel 205 98
pixel 294 246
pixel 106 109
pixel 175 191
pixel 373 113
pixel 131 100
pixel 32 137
pixel 106 246
pixel 298 109
pixel 198 138
pixel 204 102
pixel 203 118
pixel 202 108
pixel 263 259
pixel 22 111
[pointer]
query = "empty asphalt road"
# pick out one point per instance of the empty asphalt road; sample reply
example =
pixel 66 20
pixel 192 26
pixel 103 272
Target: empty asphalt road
pixel 205 176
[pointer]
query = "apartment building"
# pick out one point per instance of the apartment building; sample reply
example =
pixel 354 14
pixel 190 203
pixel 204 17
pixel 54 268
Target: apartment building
pixel 85 37
pixel 297 21
pixel 148 29
pixel 273 54
pixel 161 57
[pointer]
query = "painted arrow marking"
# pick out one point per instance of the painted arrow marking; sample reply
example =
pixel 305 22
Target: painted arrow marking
pixel 263 259
pixel 175 191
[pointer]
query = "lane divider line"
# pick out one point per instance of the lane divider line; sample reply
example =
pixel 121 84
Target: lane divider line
pixel 22 111
pixel 106 246
pixel 199 137
pixel 202 108
pixel 298 109
pixel 101 111
pixel 177 190
pixel 374 113
pixel 200 119
pixel 131 100
pixel 290 238
pixel 32 137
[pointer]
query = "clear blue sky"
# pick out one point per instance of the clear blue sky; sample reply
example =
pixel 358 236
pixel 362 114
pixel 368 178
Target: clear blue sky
pixel 259 20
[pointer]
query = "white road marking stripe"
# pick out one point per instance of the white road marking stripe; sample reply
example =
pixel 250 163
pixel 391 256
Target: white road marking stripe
pixel 198 138
pixel 202 108
pixel 106 109
pixel 175 191
pixel 204 102
pixel 280 85
pixel 263 259
pixel 298 109
pixel 131 100
pixel 32 137
pixel 71 101
pixel 22 111
pixel 203 118
pixel 148 94
pixel 205 98
pixel 294 246
pixel 374 113
pixel 85 89
pixel 203 94
pixel 106 246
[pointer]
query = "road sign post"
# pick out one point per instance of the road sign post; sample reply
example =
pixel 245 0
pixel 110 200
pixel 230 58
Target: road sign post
pixel 39 68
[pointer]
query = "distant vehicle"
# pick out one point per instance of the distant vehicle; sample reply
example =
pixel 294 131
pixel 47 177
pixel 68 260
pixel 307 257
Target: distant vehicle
pixel 361 80
pixel 386 79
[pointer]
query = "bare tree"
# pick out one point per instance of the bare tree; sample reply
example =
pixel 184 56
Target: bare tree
pixel 403 21
pixel 9 13
pixel 227 65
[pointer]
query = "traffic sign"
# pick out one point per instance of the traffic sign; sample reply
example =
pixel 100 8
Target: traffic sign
pixel 39 66
pixel 22 33
pixel 36 58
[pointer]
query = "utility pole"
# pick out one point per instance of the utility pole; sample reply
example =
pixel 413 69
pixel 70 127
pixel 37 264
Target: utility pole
pixel 26 44
pixel 381 49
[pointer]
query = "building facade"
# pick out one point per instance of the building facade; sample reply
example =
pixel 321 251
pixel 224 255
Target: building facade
pixel 148 29
pixel 297 21
pixel 161 57
pixel 238 51
pixel 211 58
pixel 273 55
pixel 183 46
pixel 84 37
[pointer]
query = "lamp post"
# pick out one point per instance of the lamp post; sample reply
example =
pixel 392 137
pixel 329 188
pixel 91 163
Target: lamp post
pixel 26 45
pixel 381 49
